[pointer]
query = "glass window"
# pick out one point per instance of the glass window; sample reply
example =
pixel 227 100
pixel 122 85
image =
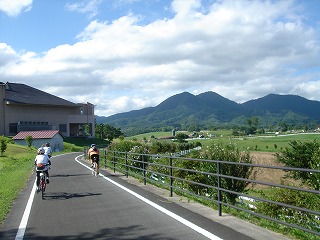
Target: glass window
pixel 63 127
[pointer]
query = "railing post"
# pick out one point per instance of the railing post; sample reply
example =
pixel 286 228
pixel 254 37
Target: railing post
pixel 114 161
pixel 127 167
pixel 171 177
pixel 219 190
pixel 144 170
pixel 105 158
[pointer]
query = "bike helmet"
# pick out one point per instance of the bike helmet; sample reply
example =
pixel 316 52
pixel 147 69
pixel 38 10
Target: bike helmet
pixel 93 145
pixel 41 151
pixel 47 144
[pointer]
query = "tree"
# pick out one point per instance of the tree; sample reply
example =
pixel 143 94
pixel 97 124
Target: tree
pixel 253 124
pixel 253 121
pixel 284 126
pixel 3 144
pixel 108 132
pixel 302 155
pixel 29 140
pixel 86 129
pixel 181 137
pixel 99 131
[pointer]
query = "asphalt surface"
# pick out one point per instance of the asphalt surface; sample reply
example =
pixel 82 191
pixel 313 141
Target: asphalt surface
pixel 78 205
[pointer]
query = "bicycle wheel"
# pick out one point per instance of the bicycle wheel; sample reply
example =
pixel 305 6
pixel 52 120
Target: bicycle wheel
pixel 43 186
pixel 93 168
pixel 95 173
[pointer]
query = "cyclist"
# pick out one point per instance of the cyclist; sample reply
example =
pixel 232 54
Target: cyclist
pixel 41 161
pixel 47 149
pixel 93 154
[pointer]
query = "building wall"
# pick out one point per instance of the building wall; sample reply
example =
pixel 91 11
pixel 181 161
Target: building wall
pixel 2 114
pixel 56 143
pixel 73 118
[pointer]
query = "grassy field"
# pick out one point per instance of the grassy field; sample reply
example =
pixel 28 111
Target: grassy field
pixel 266 143
pixel 16 166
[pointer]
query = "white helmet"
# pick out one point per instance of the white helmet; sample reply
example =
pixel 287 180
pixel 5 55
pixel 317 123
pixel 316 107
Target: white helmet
pixel 41 151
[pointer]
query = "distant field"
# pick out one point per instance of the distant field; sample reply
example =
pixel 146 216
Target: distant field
pixel 271 143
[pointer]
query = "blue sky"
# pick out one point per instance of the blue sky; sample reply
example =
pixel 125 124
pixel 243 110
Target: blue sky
pixel 124 55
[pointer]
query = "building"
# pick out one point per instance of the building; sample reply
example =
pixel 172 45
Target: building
pixel 23 108
pixel 41 137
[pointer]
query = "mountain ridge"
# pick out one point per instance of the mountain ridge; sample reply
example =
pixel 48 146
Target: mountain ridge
pixel 210 109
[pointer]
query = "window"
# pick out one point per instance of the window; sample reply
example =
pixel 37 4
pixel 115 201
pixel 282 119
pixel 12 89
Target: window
pixel 63 127
pixel 13 128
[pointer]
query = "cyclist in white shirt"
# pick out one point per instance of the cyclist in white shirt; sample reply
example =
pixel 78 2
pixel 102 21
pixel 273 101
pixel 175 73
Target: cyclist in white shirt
pixel 41 161
pixel 47 149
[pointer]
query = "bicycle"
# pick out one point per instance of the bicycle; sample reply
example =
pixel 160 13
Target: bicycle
pixel 95 170
pixel 43 181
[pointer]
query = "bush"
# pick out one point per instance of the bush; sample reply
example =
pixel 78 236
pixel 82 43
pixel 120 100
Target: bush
pixel 230 153
pixel 29 140
pixel 3 144
pixel 69 147
pixel 289 215
pixel 227 153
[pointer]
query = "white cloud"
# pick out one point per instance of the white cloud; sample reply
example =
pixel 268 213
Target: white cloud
pixel 7 54
pixel 88 7
pixel 15 7
pixel 239 49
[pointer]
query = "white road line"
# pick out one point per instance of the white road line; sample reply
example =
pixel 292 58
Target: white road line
pixel 24 220
pixel 26 214
pixel 171 214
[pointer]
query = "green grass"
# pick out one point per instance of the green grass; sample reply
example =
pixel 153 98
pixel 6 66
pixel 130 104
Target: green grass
pixel 16 166
pixel 270 143
pixel 266 143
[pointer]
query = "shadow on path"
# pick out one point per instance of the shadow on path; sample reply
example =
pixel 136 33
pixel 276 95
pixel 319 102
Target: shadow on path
pixel 118 233
pixel 66 196
pixel 69 175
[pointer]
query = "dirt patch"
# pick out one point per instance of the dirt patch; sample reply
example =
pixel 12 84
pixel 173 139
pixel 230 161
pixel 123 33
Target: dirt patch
pixel 273 176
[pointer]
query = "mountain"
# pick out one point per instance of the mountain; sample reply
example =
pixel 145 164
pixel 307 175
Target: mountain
pixel 278 103
pixel 209 109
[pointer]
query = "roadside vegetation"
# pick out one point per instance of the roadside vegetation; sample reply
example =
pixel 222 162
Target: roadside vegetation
pixel 290 150
pixel 17 160
pixel 16 165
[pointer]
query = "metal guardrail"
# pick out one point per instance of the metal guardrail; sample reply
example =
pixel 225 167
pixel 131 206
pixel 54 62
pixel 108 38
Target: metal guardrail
pixel 146 167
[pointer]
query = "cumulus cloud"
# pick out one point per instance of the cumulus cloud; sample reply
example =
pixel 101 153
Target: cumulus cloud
pixel 239 49
pixel 14 7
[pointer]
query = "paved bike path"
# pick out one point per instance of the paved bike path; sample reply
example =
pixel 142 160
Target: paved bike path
pixel 79 206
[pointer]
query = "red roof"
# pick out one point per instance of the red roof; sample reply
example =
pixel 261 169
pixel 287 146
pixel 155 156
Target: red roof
pixel 43 134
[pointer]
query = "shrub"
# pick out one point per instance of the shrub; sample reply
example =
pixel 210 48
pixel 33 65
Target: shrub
pixel 227 153
pixel 29 140
pixel 69 147
pixel 289 215
pixel 3 144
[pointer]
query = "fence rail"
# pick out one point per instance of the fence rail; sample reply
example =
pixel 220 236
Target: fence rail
pixel 165 171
